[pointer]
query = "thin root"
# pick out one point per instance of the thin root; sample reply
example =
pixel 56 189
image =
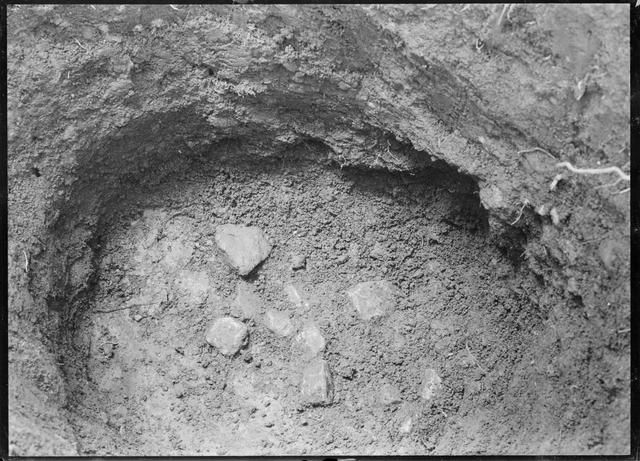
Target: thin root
pixel 466 345
pixel 607 170
pixel 26 261
pixel 538 149
pixel 555 181
pixel 524 204
pixel 501 18
pixel 81 45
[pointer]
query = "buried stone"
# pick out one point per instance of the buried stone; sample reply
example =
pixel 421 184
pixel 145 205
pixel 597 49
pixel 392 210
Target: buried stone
pixel 372 299
pixel 317 385
pixel 431 384
pixel 227 335
pixel 278 323
pixel 247 302
pixel 244 247
pixel 310 341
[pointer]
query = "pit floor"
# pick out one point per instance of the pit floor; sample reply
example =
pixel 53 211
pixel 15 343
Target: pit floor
pixel 146 382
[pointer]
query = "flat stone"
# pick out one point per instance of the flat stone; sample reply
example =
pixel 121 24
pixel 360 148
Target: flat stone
pixel 317 385
pixel 372 299
pixel 296 296
pixel 244 247
pixel 298 262
pixel 310 341
pixel 278 322
pixel 389 394
pixel 247 301
pixel 194 286
pixel 405 427
pixel 227 335
pixel 431 384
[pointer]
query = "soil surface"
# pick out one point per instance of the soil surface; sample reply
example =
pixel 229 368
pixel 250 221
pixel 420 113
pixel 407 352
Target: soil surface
pixel 428 284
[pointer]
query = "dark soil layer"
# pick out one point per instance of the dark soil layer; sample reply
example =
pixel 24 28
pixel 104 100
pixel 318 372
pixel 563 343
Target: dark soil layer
pixel 379 143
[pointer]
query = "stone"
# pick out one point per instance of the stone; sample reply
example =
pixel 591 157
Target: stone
pixel 244 247
pixel 405 427
pixel 298 262
pixel 247 301
pixel 194 286
pixel 372 299
pixel 228 335
pixel 389 394
pixel 296 296
pixel 431 384
pixel 278 322
pixel 378 252
pixel 317 385
pixel 310 341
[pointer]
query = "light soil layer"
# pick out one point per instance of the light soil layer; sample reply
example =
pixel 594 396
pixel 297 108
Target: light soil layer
pixel 382 143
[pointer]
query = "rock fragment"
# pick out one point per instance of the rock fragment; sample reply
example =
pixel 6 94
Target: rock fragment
pixel 247 301
pixel 278 322
pixel 298 262
pixel 244 246
pixel 431 384
pixel 317 384
pixel 227 335
pixel 389 394
pixel 405 427
pixel 372 299
pixel 310 341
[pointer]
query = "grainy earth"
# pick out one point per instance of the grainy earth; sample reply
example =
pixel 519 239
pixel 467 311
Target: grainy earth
pixel 368 144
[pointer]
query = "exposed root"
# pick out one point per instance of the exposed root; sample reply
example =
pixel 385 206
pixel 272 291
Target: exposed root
pixel 595 171
pixel 537 149
pixel 26 261
pixel 81 45
pixel 466 345
pixel 555 181
pixel 524 204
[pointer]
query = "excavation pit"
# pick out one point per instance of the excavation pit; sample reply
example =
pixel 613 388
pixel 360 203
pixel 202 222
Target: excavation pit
pixel 142 378
pixel 415 275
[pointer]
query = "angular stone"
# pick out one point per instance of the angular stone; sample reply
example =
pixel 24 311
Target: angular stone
pixel 227 335
pixel 278 322
pixel 310 341
pixel 244 247
pixel 247 301
pixel 372 299
pixel 431 384
pixel 317 384
pixel 298 262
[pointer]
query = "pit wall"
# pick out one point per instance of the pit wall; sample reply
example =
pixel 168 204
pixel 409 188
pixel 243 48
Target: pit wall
pixel 98 95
